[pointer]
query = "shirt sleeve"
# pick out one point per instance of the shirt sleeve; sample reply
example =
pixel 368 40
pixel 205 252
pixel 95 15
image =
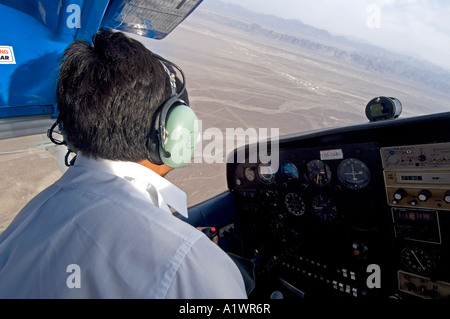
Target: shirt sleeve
pixel 207 272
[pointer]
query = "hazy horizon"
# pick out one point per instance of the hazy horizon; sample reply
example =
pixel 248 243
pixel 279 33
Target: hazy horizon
pixel 417 28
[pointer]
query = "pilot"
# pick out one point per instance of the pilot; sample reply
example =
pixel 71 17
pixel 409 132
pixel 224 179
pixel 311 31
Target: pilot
pixel 106 228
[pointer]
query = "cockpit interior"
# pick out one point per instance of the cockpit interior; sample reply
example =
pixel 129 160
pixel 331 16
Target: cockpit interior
pixel 357 212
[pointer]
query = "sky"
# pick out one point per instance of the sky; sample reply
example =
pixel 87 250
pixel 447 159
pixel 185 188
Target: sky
pixel 420 28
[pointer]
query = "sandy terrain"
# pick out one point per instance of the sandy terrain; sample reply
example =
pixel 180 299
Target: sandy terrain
pixel 234 81
pixel 26 168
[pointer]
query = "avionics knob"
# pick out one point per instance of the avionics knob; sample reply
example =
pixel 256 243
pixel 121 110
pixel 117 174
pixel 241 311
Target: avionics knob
pixel 400 194
pixel 447 197
pixel 422 158
pixel 424 195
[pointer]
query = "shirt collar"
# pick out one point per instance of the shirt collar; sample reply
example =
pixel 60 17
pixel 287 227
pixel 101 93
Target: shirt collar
pixel 161 191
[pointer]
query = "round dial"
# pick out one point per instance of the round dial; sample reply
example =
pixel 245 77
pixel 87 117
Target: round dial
pixel 318 173
pixel 325 208
pixel 417 260
pixel 294 204
pixel 289 171
pixel 266 173
pixel 353 173
pixel 249 173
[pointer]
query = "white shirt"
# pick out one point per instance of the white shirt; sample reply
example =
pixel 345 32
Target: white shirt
pixel 105 230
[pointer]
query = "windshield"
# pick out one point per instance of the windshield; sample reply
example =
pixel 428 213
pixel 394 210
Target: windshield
pixel 272 68
pixel 298 66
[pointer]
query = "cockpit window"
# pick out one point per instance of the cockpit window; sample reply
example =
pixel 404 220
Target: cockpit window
pixel 257 69
pixel 299 66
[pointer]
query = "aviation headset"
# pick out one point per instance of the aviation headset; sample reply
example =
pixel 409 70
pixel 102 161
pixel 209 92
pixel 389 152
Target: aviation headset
pixel 175 127
pixel 174 130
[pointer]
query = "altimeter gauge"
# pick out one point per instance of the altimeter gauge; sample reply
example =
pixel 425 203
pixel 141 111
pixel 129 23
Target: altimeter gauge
pixel 318 173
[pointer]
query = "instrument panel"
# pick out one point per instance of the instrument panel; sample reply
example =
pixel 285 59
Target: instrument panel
pixel 368 218
pixel 418 194
pixel 319 199
pixel 320 183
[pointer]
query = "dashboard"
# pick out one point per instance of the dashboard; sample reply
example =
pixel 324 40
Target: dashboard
pixel 355 212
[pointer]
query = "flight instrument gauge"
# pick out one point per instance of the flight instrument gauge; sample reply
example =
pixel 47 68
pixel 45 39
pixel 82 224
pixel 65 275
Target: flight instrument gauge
pixel 324 208
pixel 266 173
pixel 249 173
pixel 383 108
pixel 417 260
pixel 289 171
pixel 318 173
pixel 353 173
pixel 294 204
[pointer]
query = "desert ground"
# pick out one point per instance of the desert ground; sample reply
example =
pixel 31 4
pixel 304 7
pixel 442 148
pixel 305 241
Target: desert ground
pixel 234 81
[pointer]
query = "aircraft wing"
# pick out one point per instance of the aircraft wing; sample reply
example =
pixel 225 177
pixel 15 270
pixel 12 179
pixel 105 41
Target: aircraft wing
pixel 37 33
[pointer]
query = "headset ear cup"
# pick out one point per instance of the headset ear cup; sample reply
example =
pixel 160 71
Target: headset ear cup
pixel 181 136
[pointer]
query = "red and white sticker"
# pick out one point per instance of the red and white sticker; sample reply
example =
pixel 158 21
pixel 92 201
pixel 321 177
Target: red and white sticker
pixel 7 55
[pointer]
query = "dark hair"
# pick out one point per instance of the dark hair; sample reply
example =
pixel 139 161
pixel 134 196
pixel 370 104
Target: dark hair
pixel 108 93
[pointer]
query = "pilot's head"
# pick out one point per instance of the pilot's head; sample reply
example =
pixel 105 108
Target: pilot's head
pixel 108 92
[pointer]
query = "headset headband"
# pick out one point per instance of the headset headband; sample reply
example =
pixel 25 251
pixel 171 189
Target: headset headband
pixel 183 79
pixel 162 133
